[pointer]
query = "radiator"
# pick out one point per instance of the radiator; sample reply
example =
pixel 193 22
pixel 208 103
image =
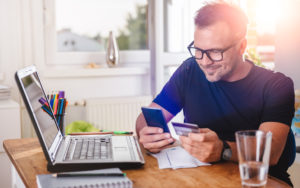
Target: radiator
pixel 117 113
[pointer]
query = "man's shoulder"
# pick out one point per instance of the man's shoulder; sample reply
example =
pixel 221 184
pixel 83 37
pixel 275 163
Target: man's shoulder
pixel 189 60
pixel 189 63
pixel 187 67
pixel 271 76
pixel 272 79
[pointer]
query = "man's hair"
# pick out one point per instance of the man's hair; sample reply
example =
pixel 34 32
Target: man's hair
pixel 221 11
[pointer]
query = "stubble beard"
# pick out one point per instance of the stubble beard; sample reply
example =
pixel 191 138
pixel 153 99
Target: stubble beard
pixel 224 72
pixel 217 75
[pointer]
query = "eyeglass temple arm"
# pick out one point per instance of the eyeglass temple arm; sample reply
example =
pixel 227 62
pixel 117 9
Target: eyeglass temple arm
pixel 191 44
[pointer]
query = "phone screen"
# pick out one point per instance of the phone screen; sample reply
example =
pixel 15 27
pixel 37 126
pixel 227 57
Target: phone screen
pixel 155 118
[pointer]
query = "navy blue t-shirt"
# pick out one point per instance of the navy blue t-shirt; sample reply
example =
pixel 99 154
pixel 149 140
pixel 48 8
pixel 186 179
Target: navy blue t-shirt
pixel 227 107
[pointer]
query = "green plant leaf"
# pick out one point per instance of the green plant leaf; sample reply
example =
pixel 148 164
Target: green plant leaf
pixel 80 126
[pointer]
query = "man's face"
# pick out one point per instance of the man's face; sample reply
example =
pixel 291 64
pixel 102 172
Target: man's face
pixel 217 36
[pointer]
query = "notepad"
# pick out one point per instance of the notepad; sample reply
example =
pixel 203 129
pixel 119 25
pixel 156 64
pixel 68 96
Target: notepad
pixel 177 157
pixel 49 181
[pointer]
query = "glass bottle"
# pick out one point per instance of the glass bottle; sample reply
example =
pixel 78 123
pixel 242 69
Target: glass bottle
pixel 112 53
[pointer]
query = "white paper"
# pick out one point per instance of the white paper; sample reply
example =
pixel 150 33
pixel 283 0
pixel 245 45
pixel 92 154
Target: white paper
pixel 163 160
pixel 177 157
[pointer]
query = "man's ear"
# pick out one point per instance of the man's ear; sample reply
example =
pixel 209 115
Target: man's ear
pixel 243 46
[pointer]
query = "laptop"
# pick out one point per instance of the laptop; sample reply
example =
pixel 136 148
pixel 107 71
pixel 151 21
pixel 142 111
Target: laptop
pixel 80 152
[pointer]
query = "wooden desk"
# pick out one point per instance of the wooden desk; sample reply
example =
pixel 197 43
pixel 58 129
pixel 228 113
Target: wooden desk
pixel 28 158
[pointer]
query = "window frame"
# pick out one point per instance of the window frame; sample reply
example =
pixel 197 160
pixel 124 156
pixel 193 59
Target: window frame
pixel 53 57
pixel 160 59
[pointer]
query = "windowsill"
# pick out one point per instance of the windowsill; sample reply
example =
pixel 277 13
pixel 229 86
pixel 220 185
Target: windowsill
pixel 96 72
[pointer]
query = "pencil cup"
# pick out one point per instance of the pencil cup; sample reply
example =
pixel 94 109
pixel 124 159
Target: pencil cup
pixel 60 122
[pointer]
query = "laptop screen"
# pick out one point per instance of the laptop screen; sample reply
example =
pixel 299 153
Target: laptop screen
pixel 46 122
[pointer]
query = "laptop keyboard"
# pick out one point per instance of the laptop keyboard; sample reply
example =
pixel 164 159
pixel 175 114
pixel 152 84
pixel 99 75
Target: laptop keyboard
pixel 93 148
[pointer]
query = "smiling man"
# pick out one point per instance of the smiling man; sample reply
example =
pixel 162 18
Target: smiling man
pixel 223 93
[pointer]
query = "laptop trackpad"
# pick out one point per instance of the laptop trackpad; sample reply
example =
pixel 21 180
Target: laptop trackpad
pixel 121 151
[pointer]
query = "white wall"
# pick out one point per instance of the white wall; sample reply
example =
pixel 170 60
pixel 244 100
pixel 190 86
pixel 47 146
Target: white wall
pixel 10 42
pixel 287 60
pixel 10 60
pixel 287 55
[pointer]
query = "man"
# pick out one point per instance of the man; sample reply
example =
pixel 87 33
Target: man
pixel 222 93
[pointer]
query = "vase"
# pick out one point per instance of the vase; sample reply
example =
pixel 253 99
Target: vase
pixel 112 53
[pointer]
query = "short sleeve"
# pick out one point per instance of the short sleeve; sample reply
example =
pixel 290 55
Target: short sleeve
pixel 279 99
pixel 171 97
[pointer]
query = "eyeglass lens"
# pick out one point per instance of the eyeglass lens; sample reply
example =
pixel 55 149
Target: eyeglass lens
pixel 213 55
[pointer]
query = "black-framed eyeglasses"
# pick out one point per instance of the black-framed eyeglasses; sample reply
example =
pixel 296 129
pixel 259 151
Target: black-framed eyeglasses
pixel 213 54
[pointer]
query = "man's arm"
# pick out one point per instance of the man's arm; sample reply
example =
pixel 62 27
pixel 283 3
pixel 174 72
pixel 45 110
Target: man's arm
pixel 280 133
pixel 279 136
pixel 153 138
pixel 207 147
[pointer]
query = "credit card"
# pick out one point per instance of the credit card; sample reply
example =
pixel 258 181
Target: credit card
pixel 183 129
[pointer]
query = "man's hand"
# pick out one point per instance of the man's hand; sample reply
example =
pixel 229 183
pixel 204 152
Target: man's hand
pixel 153 139
pixel 205 145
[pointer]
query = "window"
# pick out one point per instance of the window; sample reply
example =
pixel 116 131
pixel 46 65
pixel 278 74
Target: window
pixel 179 27
pixel 171 32
pixel 264 17
pixel 174 29
pixel 267 17
pixel 179 23
pixel 77 31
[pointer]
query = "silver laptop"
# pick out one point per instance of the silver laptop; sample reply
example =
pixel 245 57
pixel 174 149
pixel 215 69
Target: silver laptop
pixel 66 153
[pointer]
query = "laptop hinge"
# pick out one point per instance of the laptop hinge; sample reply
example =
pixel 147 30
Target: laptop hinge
pixel 139 149
pixel 53 155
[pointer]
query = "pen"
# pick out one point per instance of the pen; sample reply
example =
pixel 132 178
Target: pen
pixel 61 94
pixel 86 174
pixel 118 132
pixel 51 103
pixel 58 112
pixel 56 104
pixel 90 133
pixel 46 110
pixel 43 101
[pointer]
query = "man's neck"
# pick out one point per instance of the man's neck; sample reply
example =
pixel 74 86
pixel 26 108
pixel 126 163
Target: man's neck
pixel 241 70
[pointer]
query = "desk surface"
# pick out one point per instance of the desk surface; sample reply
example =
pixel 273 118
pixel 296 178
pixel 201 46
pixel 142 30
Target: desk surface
pixel 28 158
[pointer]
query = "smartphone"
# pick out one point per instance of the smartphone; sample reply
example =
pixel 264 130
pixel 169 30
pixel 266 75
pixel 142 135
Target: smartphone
pixel 155 118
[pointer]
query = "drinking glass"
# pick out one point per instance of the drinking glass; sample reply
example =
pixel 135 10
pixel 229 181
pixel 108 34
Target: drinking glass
pixel 254 147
